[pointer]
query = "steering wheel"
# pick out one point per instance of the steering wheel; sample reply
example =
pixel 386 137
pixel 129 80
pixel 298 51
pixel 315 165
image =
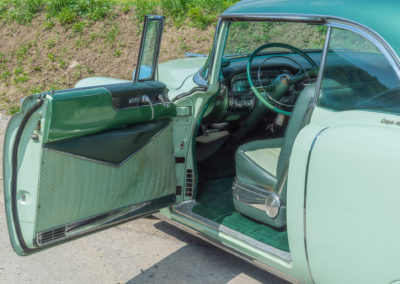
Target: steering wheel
pixel 281 84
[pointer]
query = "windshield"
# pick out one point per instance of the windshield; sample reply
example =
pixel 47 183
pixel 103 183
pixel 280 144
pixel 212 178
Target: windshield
pixel 244 37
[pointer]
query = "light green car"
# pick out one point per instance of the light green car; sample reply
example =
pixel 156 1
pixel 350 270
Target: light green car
pixel 282 146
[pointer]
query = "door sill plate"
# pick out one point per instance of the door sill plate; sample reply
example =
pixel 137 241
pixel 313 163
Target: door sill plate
pixel 185 209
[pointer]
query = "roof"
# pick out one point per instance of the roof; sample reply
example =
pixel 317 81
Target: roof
pixel 382 16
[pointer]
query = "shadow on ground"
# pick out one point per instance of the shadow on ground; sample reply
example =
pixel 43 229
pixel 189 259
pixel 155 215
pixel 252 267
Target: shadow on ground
pixel 226 268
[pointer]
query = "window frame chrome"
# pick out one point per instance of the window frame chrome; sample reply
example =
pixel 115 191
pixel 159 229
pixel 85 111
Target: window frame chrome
pixel 364 32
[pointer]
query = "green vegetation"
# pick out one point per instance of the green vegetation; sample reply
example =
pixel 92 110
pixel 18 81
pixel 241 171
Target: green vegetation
pixel 245 37
pixel 73 39
pixel 198 13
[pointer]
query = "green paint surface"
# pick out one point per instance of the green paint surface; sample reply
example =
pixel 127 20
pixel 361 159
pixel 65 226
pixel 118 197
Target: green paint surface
pixel 81 112
pixel 215 203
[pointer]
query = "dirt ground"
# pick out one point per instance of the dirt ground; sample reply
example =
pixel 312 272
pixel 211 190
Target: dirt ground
pixel 143 251
pixel 36 57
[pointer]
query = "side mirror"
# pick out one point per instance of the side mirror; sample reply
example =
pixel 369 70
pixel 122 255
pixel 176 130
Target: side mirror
pixel 149 48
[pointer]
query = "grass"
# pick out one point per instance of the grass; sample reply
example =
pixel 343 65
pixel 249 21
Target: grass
pixel 198 13
pixel 91 26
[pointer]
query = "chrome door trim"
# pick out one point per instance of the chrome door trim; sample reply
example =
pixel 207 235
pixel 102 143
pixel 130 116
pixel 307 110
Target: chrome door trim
pixel 89 224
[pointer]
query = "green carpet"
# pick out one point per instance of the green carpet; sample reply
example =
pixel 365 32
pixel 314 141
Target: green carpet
pixel 215 203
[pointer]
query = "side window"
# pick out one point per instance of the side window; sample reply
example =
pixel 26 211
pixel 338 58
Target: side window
pixel 358 76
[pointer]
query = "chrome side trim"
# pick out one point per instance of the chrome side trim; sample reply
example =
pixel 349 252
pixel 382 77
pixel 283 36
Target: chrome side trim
pixel 305 203
pixel 228 249
pixel 185 209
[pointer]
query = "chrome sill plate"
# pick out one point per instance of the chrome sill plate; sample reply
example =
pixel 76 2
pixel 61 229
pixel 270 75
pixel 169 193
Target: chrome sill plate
pixel 185 209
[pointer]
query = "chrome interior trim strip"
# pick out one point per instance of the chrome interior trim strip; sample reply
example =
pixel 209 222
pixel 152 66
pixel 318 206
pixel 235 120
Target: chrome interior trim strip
pixel 305 203
pixel 230 250
pixel 185 209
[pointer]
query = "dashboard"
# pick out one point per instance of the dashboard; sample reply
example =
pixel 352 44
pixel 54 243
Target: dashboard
pixel 236 98
pixel 241 97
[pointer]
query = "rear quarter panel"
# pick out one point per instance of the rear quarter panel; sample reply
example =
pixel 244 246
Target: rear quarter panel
pixel 352 200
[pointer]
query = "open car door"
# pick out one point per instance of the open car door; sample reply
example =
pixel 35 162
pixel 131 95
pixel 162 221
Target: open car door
pixel 79 160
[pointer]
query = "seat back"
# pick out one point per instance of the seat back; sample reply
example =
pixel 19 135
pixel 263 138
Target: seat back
pixel 296 123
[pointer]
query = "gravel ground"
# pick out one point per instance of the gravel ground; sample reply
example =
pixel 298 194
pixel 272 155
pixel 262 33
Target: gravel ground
pixel 143 251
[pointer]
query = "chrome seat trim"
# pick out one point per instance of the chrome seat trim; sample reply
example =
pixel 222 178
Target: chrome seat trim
pixel 252 195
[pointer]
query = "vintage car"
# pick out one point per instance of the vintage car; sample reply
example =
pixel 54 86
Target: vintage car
pixel 281 146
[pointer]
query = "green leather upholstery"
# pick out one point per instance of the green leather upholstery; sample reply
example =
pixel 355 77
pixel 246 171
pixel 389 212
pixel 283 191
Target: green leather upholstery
pixel 255 169
pixel 260 164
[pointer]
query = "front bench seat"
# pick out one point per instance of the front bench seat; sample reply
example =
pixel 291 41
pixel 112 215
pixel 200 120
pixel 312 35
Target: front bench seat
pixel 260 165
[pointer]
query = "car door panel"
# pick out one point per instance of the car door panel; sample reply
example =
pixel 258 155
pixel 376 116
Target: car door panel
pixel 76 161
pixel 83 111
pixel 113 147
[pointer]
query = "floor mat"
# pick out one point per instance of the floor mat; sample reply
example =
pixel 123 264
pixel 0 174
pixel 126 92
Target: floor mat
pixel 215 203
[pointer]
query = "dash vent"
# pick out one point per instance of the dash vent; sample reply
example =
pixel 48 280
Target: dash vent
pixel 51 235
pixel 189 183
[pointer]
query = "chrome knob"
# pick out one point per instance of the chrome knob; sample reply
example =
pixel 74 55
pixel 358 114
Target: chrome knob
pixel 145 99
